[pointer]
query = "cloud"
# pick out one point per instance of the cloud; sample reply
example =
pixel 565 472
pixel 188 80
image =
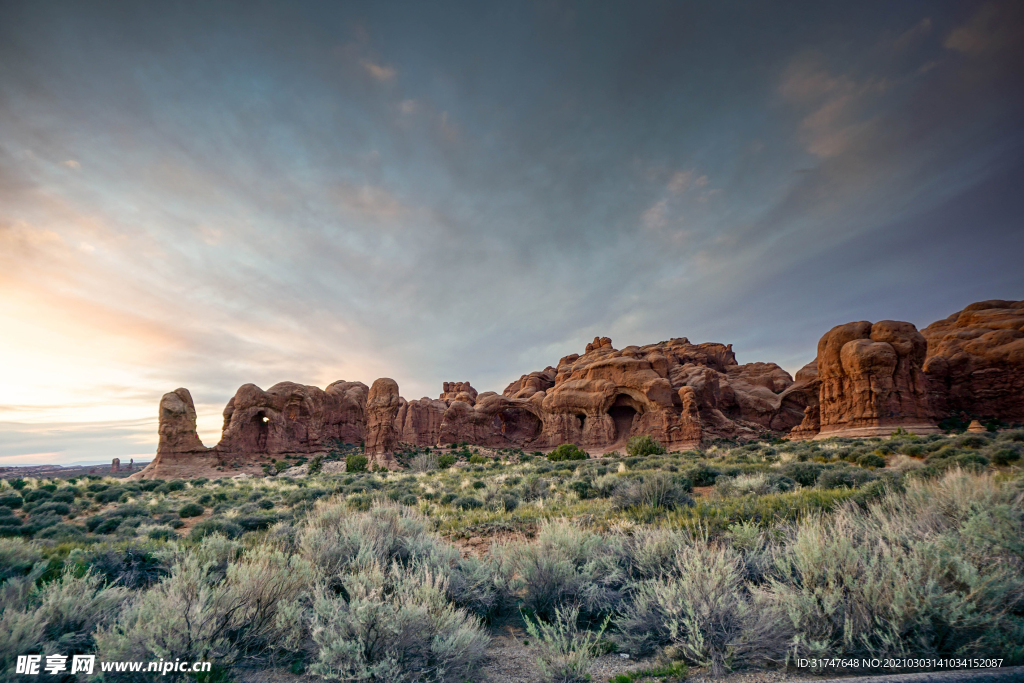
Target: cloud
pixel 657 216
pixel 680 181
pixel 259 213
pixel 994 27
pixel 71 163
pixel 377 71
pixel 370 201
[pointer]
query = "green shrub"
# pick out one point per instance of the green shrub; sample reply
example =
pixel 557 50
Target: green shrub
pixel 134 566
pixel 871 461
pixel 64 496
pixel 425 633
pixel 253 607
pixel 447 498
pixel 16 557
pixel 565 653
pixel 175 485
pixel 316 465
pixel 280 466
pixel 973 441
pixel 113 518
pixel 702 608
pixel 37 495
pixel 215 525
pixel 701 475
pixel 564 566
pixel 356 462
pixel 654 490
pixel 477 484
pixel 468 503
pixel 478 460
pixel 567 451
pixel 1004 456
pixel 191 510
pixel 803 473
pixel 11 501
pixel 844 477
pixel 642 446
pixel 445 461
pixel 939 585
pixel 51 507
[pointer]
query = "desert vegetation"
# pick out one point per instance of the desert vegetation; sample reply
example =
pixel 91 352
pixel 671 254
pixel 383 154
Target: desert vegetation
pixel 737 556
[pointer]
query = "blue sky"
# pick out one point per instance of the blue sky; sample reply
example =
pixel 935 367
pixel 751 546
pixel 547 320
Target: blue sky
pixel 208 194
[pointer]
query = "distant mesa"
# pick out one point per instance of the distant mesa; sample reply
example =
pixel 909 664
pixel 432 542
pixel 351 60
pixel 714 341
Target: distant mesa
pixel 868 379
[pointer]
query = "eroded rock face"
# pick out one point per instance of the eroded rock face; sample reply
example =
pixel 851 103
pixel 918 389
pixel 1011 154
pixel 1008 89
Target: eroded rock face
pixel 872 380
pixel 292 418
pixel 382 434
pixel 975 361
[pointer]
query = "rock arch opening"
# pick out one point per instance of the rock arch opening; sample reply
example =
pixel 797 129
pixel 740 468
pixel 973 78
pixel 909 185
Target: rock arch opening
pixel 260 430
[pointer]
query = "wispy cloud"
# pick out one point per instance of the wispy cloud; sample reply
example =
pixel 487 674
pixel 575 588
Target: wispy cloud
pixel 379 71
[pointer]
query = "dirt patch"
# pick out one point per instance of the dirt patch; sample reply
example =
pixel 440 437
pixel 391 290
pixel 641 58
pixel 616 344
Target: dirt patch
pixel 479 544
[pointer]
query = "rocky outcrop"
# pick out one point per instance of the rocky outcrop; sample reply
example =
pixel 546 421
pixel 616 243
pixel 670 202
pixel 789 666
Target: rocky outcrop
pixel 872 380
pixel 177 424
pixel 867 379
pixel 115 465
pixel 382 406
pixel 800 400
pixel 975 361
pixel 287 419
pixel 419 422
pixel 290 418
pixel 180 453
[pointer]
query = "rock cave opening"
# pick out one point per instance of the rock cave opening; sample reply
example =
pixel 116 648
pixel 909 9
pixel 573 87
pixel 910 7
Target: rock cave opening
pixel 623 412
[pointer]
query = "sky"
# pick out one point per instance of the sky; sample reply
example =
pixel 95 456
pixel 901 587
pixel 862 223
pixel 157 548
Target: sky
pixel 208 194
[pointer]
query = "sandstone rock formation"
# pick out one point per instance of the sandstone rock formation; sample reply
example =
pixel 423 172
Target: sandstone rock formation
pixel 801 398
pixel 867 379
pixel 179 453
pixel 871 380
pixel 975 361
pixel 292 418
pixel 115 465
pixel 177 424
pixel 287 419
pixel 382 408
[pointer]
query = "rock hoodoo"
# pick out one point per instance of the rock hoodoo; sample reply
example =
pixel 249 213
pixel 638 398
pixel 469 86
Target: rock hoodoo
pixel 382 408
pixel 871 380
pixel 867 379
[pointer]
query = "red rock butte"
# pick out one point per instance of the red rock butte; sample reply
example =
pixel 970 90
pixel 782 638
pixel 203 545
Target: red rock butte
pixel 868 379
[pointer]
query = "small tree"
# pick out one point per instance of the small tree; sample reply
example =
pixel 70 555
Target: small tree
pixel 640 446
pixel 316 464
pixel 356 462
